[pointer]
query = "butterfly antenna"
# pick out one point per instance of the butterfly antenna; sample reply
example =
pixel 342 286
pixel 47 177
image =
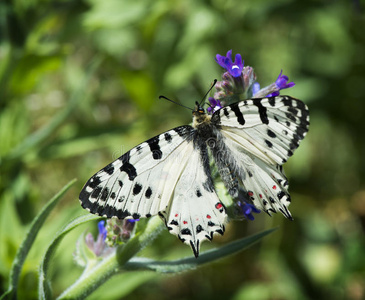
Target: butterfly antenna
pixel 163 97
pixel 206 94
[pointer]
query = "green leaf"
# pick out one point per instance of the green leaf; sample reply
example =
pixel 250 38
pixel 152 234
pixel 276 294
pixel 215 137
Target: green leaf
pixel 192 262
pixel 44 284
pixel 29 239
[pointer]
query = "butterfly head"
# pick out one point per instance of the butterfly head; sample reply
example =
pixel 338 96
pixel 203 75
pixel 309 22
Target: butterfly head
pixel 199 115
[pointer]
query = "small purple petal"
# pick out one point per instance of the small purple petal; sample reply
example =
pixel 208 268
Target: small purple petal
pixel 234 68
pixel 282 81
pixel 248 209
pixel 214 105
pixel 132 221
pixel 102 229
pixel 274 94
pixel 212 102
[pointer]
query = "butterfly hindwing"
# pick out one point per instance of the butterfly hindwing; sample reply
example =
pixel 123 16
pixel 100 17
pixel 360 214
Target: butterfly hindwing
pixel 196 212
pixel 258 136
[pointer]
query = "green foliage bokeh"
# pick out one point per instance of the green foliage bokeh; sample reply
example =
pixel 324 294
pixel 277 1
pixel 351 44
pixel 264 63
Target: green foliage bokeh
pixel 79 86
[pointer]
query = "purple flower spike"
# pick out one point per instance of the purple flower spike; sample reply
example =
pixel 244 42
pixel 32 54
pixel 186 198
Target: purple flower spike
pixel 248 209
pixel 234 68
pixel 214 105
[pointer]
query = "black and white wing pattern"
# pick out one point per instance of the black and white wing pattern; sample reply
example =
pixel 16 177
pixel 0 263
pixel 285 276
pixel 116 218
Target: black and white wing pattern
pixel 254 139
pixel 167 175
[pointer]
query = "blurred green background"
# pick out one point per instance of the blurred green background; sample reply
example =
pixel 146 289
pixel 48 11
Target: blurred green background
pixel 79 86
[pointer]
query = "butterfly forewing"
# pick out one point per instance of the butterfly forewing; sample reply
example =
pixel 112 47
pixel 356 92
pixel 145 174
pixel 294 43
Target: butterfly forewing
pixel 272 127
pixel 134 184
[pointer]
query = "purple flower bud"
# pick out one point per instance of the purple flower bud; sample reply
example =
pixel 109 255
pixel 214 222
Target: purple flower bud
pixel 234 68
pixel 247 210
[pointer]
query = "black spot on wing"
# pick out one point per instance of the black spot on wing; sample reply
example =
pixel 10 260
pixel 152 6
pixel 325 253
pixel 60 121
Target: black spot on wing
pixel 271 133
pixel 186 231
pixel 262 111
pixel 153 143
pixel 199 228
pixel 138 149
pixel 130 170
pixel 148 193
pixel 268 143
pixel 291 117
pixel 198 193
pixel 183 131
pixel 226 113
pixel 125 157
pixel 136 216
pixel 174 222
pixel 104 194
pixel 287 101
pixel 272 101
pixel 96 192
pixel 281 194
pixel 168 137
pixel 94 182
pixel 109 169
pixel 137 189
pixel 234 107
pixel 293 110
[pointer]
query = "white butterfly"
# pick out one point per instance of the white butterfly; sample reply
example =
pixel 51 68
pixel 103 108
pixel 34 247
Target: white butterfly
pixel 169 174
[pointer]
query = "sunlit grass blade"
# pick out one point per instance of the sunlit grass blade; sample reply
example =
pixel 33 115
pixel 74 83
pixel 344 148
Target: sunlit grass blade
pixel 28 241
pixel 192 262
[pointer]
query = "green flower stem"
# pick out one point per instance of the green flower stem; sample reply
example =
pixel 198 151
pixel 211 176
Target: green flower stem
pixel 94 277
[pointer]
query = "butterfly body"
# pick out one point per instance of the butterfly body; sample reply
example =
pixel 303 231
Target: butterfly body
pixel 170 174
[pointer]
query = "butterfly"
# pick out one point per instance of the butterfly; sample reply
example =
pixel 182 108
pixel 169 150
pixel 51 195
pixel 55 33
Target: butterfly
pixel 169 175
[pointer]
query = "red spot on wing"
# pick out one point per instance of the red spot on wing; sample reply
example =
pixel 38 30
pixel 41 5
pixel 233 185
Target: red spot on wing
pixel 250 193
pixel 218 206
pixel 185 222
pixel 176 215
pixel 274 187
pixel 260 196
pixel 208 216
